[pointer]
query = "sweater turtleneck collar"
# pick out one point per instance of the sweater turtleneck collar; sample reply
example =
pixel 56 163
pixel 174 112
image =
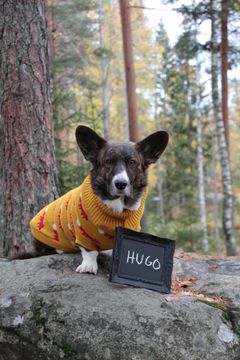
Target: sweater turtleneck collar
pixel 96 207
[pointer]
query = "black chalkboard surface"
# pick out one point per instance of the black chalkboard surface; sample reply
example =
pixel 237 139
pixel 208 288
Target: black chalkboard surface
pixel 142 260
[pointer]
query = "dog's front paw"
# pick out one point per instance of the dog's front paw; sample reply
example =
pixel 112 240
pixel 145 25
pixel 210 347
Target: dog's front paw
pixel 89 262
pixel 87 267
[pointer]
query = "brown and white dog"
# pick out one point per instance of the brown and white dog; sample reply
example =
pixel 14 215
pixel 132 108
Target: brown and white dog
pixel 118 174
pixel 117 185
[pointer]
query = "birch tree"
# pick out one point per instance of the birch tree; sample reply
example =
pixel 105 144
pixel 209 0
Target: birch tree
pixel 161 56
pixel 227 212
pixel 224 67
pixel 214 177
pixel 200 162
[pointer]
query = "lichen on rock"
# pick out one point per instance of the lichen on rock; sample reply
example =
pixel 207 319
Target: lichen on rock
pixel 48 311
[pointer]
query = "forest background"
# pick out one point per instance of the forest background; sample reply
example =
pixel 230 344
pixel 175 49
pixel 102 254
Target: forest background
pixel 174 93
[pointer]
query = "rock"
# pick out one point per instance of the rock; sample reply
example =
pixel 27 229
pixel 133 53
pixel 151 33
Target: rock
pixel 47 311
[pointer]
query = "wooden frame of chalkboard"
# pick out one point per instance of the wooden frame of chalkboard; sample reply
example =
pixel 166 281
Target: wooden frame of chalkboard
pixel 142 260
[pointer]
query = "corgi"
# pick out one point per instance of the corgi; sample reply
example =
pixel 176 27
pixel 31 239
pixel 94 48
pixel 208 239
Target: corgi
pixel 112 195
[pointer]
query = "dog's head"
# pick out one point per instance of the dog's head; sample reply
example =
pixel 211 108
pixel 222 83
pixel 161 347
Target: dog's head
pixel 120 168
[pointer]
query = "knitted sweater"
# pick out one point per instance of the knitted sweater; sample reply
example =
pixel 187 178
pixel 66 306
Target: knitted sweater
pixel 80 217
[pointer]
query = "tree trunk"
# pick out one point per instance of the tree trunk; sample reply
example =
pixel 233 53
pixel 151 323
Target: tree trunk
pixel 214 178
pixel 51 26
pixel 200 161
pixel 227 215
pixel 201 186
pixel 1 187
pixel 160 209
pixel 224 67
pixel 159 200
pixel 104 73
pixel 129 70
pixel 29 170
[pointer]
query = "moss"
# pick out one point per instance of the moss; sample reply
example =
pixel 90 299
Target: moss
pixel 38 307
pixel 40 320
pixel 224 309
pixel 67 349
pixel 230 314
pixel 234 318
pixel 214 305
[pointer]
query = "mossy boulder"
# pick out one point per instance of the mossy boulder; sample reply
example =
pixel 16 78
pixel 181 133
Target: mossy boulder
pixel 47 311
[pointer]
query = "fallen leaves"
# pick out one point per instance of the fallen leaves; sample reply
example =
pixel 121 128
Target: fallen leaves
pixel 182 287
pixel 183 282
pixel 183 255
pixel 192 256
pixel 213 266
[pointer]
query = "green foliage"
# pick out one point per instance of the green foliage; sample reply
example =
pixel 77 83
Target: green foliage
pixel 166 90
pixel 74 89
pixel 174 89
pixel 69 175
pixel 181 226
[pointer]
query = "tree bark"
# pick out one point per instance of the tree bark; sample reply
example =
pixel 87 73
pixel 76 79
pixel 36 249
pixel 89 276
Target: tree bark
pixel 214 178
pixel 224 66
pixel 227 214
pixel 29 169
pixel 1 187
pixel 160 208
pixel 129 70
pixel 200 160
pixel 201 186
pixel 51 26
pixel 159 200
pixel 104 73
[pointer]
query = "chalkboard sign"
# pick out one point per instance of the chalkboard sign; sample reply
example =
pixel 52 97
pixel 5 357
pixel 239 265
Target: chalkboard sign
pixel 142 260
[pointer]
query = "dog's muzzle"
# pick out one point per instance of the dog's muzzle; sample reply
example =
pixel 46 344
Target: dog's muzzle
pixel 121 184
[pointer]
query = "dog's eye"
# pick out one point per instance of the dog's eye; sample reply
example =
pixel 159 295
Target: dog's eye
pixel 108 161
pixel 132 162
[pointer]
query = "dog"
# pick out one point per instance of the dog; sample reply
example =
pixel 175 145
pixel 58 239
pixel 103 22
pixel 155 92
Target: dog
pixel 112 195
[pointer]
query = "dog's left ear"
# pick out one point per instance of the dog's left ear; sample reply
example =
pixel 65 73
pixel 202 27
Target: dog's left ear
pixel 89 142
pixel 153 146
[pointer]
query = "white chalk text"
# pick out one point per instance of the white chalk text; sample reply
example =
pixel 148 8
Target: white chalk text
pixel 142 259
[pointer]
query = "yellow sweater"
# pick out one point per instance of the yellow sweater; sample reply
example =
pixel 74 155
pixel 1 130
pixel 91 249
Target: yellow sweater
pixel 79 217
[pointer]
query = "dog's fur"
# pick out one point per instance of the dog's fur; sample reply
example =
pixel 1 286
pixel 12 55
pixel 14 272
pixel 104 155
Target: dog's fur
pixel 119 173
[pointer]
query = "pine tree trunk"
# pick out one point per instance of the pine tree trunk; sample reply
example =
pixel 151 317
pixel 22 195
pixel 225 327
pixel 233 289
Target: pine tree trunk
pixel 201 186
pixel 129 70
pixel 160 209
pixel 29 170
pixel 104 73
pixel 160 204
pixel 227 215
pixel 214 178
pixel 51 26
pixel 1 187
pixel 200 161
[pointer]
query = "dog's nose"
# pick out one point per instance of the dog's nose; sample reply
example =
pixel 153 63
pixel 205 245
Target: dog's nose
pixel 120 185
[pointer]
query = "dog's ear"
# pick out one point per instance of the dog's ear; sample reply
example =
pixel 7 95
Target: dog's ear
pixel 89 142
pixel 153 146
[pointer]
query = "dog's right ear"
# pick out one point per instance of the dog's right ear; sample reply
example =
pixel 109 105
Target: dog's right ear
pixel 89 142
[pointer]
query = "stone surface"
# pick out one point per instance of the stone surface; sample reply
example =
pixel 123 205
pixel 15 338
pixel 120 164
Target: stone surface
pixel 47 311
